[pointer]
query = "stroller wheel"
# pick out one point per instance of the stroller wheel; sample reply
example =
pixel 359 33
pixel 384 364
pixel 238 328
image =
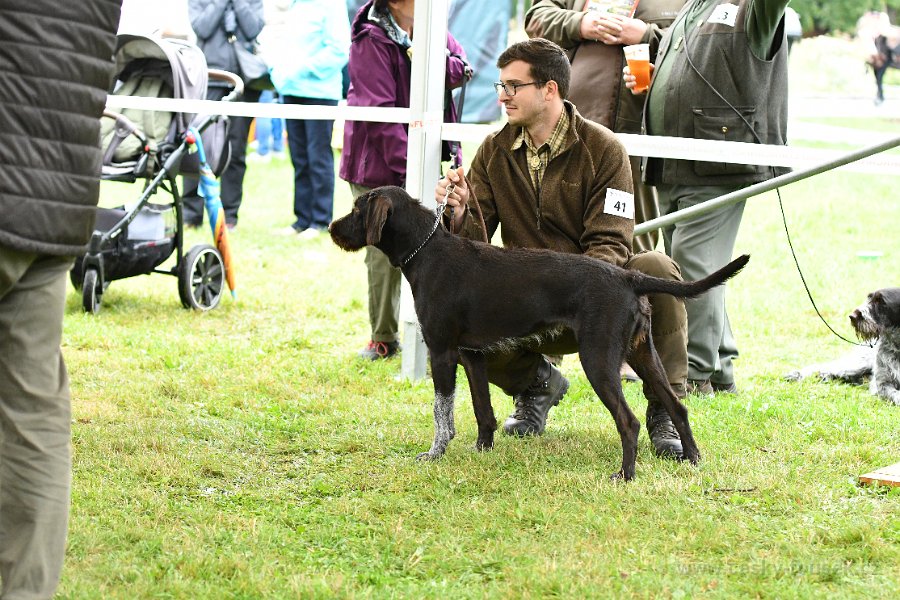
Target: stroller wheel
pixel 91 292
pixel 201 278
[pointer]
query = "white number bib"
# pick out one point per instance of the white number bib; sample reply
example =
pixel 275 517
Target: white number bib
pixel 726 14
pixel 619 203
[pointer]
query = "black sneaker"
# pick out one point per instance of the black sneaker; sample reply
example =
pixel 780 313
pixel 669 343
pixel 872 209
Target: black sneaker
pixel 699 387
pixel 534 403
pixel 662 432
pixel 706 387
pixel 379 350
pixel 724 388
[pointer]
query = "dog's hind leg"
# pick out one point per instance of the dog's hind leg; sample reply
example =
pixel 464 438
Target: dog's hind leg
pixel 443 372
pixel 647 365
pixel 476 371
pixel 601 367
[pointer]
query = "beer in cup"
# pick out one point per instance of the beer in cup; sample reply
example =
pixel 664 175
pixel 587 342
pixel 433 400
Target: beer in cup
pixel 638 58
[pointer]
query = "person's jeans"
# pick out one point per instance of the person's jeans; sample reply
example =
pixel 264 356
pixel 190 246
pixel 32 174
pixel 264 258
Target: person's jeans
pixel 313 159
pixel 269 132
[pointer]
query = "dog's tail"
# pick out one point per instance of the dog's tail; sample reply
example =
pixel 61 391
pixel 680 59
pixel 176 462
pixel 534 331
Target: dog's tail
pixel 689 289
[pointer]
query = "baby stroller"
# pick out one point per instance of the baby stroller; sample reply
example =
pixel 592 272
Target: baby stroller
pixel 153 146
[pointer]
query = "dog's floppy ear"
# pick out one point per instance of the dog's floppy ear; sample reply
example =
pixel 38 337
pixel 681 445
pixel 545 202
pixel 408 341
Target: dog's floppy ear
pixel 376 214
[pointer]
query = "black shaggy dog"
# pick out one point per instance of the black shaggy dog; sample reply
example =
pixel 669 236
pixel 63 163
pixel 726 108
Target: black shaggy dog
pixel 472 297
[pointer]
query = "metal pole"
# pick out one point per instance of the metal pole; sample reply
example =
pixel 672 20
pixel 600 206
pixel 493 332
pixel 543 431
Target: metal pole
pixel 758 188
pixel 423 161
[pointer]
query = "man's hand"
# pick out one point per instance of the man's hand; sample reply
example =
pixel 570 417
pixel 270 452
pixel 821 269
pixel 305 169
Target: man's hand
pixel 589 26
pixel 458 197
pixel 630 80
pixel 614 30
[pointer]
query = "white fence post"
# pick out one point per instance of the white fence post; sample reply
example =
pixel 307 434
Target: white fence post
pixel 423 161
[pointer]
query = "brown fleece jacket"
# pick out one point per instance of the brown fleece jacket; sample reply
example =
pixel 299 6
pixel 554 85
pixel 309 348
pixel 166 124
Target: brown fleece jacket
pixel 568 215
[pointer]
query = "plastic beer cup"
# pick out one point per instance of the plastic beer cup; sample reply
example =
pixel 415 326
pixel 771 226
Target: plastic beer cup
pixel 638 58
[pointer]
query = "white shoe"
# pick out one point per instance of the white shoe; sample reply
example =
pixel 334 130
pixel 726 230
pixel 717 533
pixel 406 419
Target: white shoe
pixel 259 158
pixel 288 231
pixel 309 234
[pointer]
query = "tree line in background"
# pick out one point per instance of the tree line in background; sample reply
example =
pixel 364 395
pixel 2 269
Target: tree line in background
pixel 833 16
pixel 818 16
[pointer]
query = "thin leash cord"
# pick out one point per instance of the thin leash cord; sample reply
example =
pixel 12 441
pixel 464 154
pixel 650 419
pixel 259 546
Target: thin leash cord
pixel 777 190
pixel 456 161
pixel 787 233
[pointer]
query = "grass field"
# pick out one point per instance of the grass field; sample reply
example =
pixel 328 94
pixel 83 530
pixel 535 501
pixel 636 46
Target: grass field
pixel 246 453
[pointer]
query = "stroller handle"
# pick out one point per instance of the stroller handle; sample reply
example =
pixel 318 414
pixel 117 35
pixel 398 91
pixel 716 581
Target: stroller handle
pixel 236 83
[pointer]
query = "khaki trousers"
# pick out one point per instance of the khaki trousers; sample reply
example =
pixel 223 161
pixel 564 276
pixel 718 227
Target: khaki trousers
pixel 515 371
pixel 35 417
pixel 384 289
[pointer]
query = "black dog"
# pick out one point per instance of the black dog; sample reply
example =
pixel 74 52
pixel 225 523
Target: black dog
pixel 878 319
pixel 466 302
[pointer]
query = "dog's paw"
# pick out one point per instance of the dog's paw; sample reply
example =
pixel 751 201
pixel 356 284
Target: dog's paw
pixel 793 376
pixel 620 476
pixel 429 456
pixel 693 457
pixel 484 445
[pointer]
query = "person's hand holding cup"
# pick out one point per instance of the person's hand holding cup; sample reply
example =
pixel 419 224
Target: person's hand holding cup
pixel 638 58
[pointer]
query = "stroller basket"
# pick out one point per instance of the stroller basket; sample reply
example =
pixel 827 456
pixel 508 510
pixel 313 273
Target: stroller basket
pixel 142 245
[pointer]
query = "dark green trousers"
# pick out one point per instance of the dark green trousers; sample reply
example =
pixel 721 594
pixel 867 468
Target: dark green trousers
pixel 701 246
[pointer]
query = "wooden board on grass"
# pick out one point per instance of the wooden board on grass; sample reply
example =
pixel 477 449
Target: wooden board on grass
pixel 885 476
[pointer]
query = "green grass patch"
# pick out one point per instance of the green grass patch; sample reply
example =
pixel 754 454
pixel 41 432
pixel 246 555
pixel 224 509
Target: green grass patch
pixel 246 452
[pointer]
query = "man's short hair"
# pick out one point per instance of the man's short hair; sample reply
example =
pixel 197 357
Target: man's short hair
pixel 547 60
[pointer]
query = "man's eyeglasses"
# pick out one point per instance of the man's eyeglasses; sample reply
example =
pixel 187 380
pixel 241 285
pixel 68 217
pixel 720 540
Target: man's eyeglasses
pixel 510 89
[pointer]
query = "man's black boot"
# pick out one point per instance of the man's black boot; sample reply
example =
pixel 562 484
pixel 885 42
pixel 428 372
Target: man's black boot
pixel 534 403
pixel 662 432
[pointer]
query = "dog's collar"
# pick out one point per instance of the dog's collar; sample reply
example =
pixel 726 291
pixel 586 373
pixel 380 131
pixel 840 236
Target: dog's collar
pixel 438 215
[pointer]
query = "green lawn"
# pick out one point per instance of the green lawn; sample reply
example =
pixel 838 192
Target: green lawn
pixel 246 453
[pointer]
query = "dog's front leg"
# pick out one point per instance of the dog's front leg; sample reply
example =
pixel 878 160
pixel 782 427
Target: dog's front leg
pixel 886 389
pixel 443 371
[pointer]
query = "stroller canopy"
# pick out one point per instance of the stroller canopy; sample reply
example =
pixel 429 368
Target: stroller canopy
pixel 186 66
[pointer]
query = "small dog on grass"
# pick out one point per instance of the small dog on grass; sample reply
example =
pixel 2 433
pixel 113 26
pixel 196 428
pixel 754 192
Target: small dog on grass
pixel 878 319
pixel 471 298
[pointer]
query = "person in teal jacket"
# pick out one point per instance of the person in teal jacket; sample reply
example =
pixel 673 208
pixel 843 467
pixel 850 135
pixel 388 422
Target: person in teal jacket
pixel 307 70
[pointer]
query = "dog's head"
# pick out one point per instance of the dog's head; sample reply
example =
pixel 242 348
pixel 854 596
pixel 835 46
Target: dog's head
pixel 880 313
pixel 387 218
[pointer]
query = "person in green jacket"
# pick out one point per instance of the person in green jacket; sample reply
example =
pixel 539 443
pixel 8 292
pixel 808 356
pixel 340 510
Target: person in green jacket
pixel 552 179
pixel 720 74
pixel 593 40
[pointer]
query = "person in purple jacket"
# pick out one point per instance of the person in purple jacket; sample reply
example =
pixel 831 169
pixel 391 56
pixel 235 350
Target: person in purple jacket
pixel 374 154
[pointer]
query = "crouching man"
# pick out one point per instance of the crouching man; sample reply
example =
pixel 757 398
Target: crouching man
pixel 552 179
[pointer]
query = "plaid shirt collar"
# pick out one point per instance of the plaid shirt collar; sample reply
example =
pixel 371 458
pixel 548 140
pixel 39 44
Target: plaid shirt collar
pixel 539 158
